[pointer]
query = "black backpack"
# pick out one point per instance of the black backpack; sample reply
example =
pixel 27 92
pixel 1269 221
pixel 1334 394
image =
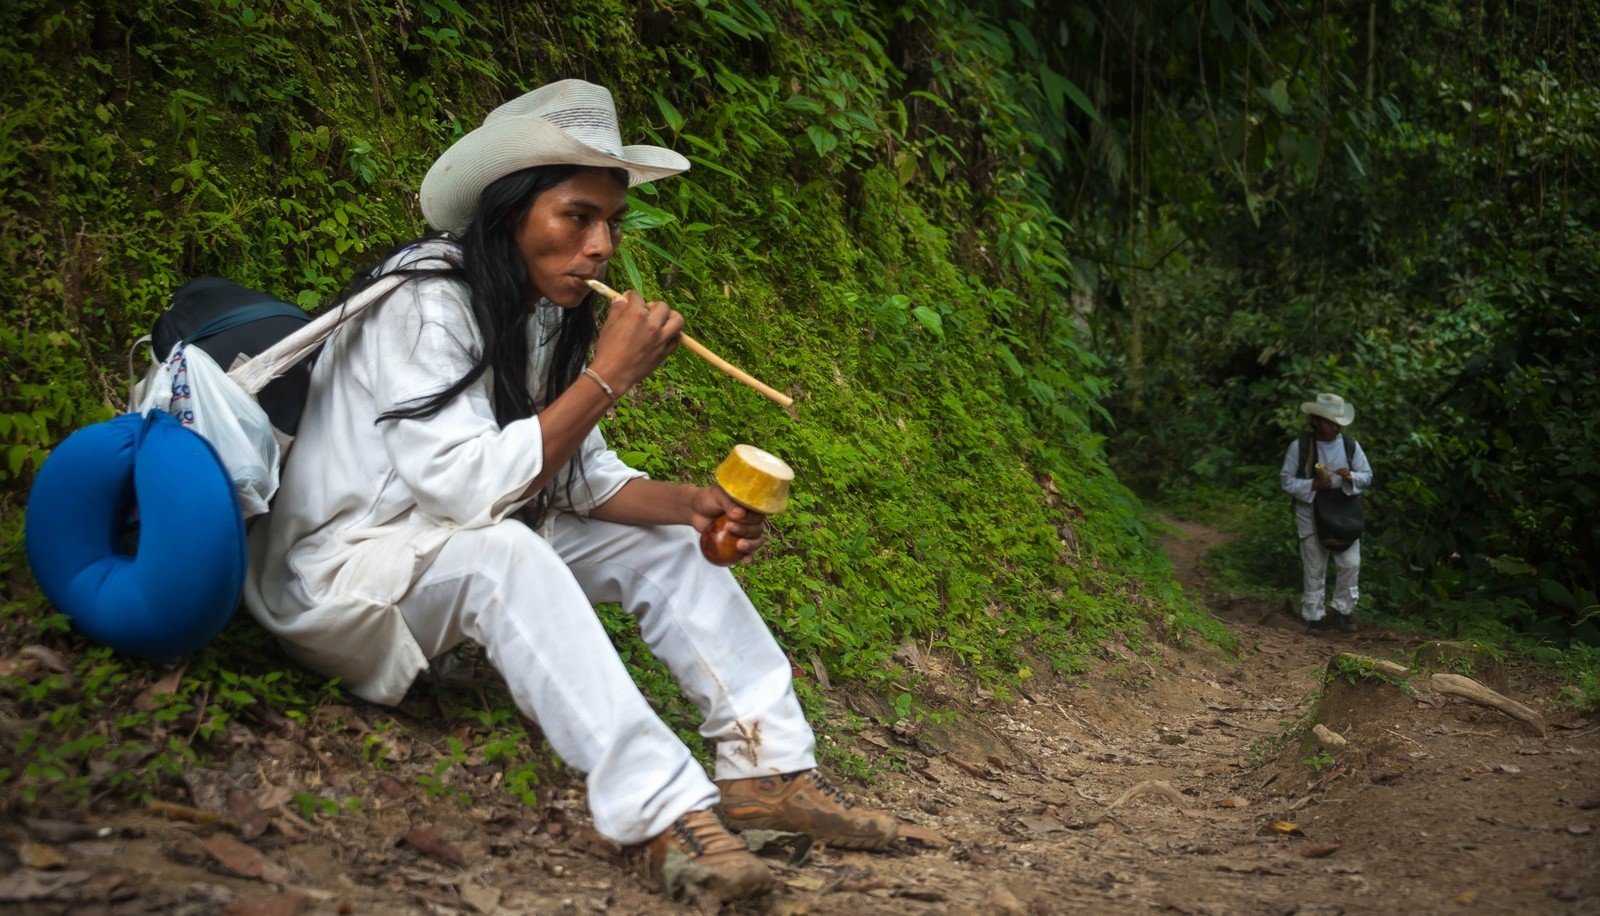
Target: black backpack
pixel 229 321
pixel 1339 517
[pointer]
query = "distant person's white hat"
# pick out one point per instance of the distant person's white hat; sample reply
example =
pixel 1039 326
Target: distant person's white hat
pixel 1332 407
pixel 570 122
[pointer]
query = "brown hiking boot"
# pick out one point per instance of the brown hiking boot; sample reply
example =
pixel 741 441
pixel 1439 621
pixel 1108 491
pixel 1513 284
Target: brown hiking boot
pixel 804 803
pixel 698 851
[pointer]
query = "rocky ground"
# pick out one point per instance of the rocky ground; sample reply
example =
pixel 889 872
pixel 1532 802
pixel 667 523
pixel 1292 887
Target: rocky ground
pixel 1188 780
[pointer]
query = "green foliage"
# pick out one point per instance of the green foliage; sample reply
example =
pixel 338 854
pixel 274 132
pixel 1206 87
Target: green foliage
pixel 868 224
pixel 1320 761
pixel 1355 669
pixel 1384 200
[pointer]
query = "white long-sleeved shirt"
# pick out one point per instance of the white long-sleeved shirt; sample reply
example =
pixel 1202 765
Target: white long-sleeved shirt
pixel 364 505
pixel 1331 454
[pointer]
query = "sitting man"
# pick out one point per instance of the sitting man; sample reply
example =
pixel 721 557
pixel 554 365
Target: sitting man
pixel 1330 461
pixel 450 483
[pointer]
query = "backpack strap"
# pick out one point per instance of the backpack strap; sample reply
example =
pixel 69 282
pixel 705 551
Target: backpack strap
pixel 272 362
pixel 1308 456
pixel 245 314
pixel 1349 453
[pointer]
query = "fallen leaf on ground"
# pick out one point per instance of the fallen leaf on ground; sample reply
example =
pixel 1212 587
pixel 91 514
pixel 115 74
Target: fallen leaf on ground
pixel 100 885
pixel 1317 850
pixel 176 812
pixel 235 856
pixel 1234 801
pixel 430 841
pixel 1507 768
pixel 1285 828
pixel 1044 825
pixel 288 903
pixel 270 797
pixel 26 884
pixel 1467 898
pixel 252 820
pixel 167 686
pixel 789 906
pixel 48 659
pixel 807 883
pixel 38 855
pixel 483 899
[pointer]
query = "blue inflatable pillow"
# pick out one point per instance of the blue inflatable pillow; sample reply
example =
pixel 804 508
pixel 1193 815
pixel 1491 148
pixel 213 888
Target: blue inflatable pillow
pixel 178 587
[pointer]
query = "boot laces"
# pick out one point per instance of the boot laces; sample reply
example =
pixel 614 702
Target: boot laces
pixel 703 834
pixel 827 788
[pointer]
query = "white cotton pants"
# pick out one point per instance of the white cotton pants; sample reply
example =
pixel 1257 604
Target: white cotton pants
pixel 1314 557
pixel 530 603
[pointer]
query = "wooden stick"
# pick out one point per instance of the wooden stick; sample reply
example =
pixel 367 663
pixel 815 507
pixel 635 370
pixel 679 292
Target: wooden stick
pixel 700 350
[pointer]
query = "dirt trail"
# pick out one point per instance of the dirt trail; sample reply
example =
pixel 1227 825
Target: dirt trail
pixel 1435 804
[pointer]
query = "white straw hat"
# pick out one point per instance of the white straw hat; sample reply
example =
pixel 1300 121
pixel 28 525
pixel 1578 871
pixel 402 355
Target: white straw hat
pixel 1332 407
pixel 570 122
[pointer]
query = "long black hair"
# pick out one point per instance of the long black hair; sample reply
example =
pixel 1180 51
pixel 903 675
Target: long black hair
pixel 502 298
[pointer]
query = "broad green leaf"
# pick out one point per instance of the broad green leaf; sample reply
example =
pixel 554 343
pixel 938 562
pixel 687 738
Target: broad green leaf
pixel 805 104
pixel 668 111
pixel 1277 95
pixel 1557 593
pixel 1058 87
pixel 824 141
pixel 1360 169
pixel 1222 18
pixel 930 319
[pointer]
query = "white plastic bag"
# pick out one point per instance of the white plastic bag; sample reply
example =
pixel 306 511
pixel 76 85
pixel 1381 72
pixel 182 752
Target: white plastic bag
pixel 194 389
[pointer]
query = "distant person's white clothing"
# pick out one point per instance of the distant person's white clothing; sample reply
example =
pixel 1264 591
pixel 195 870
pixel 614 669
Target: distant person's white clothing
pixel 1313 556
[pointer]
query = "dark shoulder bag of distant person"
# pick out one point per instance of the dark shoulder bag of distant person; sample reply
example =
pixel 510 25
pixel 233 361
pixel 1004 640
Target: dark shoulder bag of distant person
pixel 1338 516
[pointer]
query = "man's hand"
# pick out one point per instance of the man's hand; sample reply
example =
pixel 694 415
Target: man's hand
pixel 750 527
pixel 635 339
pixel 1343 472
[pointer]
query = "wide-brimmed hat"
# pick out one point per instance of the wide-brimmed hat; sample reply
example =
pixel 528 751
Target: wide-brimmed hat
pixel 1332 407
pixel 570 122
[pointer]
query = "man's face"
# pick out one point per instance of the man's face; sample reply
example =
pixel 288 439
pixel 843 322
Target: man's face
pixel 1325 429
pixel 570 234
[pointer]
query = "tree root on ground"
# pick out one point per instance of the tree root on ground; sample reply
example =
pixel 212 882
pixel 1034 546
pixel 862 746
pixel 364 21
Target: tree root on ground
pixel 1466 687
pixel 1151 787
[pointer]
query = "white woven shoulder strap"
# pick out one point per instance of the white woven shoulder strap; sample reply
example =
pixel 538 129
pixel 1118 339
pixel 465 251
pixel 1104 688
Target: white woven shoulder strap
pixel 277 359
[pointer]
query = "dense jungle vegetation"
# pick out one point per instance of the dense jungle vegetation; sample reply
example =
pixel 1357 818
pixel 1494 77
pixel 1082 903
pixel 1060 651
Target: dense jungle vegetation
pixel 1393 201
pixel 983 245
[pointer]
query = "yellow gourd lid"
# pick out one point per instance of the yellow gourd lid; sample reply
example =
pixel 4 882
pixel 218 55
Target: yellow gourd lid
pixel 755 479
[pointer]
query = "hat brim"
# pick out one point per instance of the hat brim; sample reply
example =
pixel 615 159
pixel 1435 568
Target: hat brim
pixel 1316 410
pixel 452 186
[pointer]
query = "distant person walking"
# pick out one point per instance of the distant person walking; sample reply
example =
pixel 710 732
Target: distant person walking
pixel 1326 472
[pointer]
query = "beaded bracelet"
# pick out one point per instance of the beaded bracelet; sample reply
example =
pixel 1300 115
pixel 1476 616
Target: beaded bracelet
pixel 601 382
